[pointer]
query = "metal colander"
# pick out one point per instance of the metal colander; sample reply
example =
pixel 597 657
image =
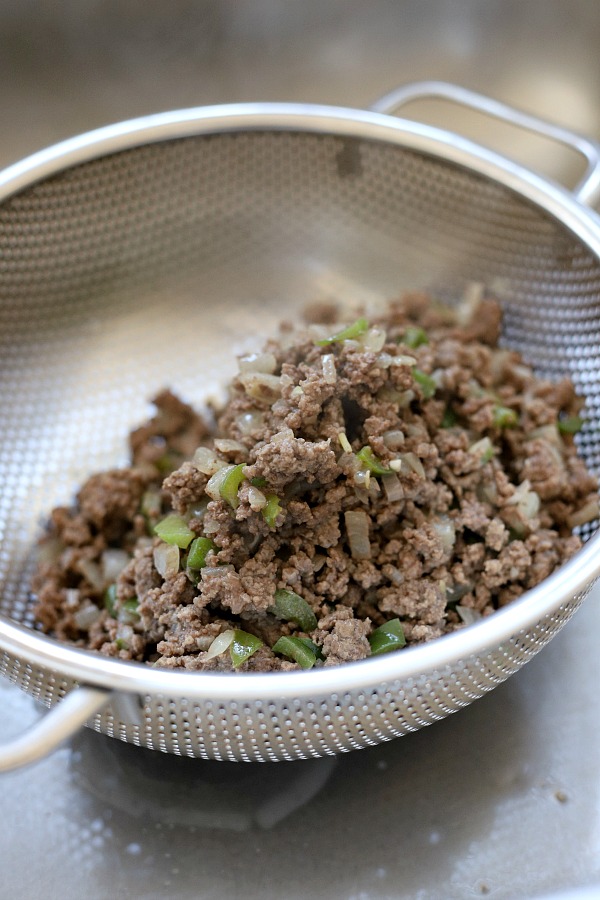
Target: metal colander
pixel 150 253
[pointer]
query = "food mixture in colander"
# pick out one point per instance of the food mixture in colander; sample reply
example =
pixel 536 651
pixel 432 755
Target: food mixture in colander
pixel 365 486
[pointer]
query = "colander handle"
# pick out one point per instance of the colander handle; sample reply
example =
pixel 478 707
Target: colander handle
pixel 48 734
pixel 587 190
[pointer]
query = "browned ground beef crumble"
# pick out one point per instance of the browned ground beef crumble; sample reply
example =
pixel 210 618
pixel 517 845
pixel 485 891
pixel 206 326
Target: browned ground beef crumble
pixel 481 491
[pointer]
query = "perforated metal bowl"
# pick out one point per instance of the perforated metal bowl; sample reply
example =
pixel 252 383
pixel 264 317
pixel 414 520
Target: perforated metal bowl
pixel 149 253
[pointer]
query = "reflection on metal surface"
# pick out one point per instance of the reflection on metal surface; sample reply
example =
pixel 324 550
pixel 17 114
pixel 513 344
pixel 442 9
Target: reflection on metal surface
pixel 173 790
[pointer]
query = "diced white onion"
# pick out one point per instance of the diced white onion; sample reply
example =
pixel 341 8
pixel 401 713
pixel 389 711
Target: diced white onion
pixel 392 487
pixel 549 433
pixel 215 482
pixel 393 439
pixel 258 362
pixel 284 435
pixel 216 571
pixel 408 462
pixel 588 512
pixel 92 574
pixel 384 360
pixel 224 445
pixel 85 617
pixel 207 461
pixel 210 525
pixel 362 478
pixel 469 616
pixel 374 339
pixel 344 442
pixel 446 532
pixel 250 421
pixel 402 359
pixel 71 598
pixel 481 447
pixel 166 559
pixel 124 633
pixel 256 498
pixel 395 575
pixel 112 563
pixel 329 370
pixel 220 644
pixel 471 299
pixel 357 529
pixel 261 386
pixel 405 398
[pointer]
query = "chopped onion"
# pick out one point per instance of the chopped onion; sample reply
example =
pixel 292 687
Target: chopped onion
pixel 92 574
pixel 124 635
pixel 284 435
pixel 362 478
pixel 392 487
pixel 216 571
pixel 166 559
pixel 250 421
pixel 549 433
pixel 384 360
pixel 588 512
pixel 402 359
pixel 374 339
pixel 85 617
pixel 71 598
pixel 467 307
pixel 210 525
pixel 256 498
pixel 394 574
pixel 265 363
pixel 207 461
pixel 261 386
pixel 393 439
pixel 483 448
pixel 215 482
pixel 113 562
pixel 224 445
pixel 526 500
pixel 357 529
pixel 329 370
pixel 344 442
pixel 406 398
pixel 468 615
pixel 446 532
pixel 408 462
pixel 221 643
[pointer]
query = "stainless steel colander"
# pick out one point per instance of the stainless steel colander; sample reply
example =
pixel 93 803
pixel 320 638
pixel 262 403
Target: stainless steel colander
pixel 150 253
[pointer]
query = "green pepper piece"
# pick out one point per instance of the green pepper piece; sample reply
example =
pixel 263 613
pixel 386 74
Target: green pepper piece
pixel 350 333
pixel 296 650
pixel 291 607
pixel 173 529
pixel 414 337
pixel 229 487
pixel 427 384
pixel 311 646
pixel 504 417
pixel 271 510
pixel 570 424
pixel 110 600
pixel 243 646
pixel 449 419
pixel 259 481
pixel 387 637
pixel 199 549
pixel 368 458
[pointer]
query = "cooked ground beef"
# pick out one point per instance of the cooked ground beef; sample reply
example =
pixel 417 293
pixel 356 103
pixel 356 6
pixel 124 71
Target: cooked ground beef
pixel 405 469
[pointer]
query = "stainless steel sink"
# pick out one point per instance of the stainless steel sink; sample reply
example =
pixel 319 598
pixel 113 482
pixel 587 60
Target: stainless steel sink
pixel 501 800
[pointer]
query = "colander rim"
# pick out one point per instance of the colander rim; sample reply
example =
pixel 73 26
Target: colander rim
pixel 571 579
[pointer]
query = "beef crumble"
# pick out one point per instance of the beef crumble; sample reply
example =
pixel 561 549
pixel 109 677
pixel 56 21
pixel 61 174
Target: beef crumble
pixel 364 486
